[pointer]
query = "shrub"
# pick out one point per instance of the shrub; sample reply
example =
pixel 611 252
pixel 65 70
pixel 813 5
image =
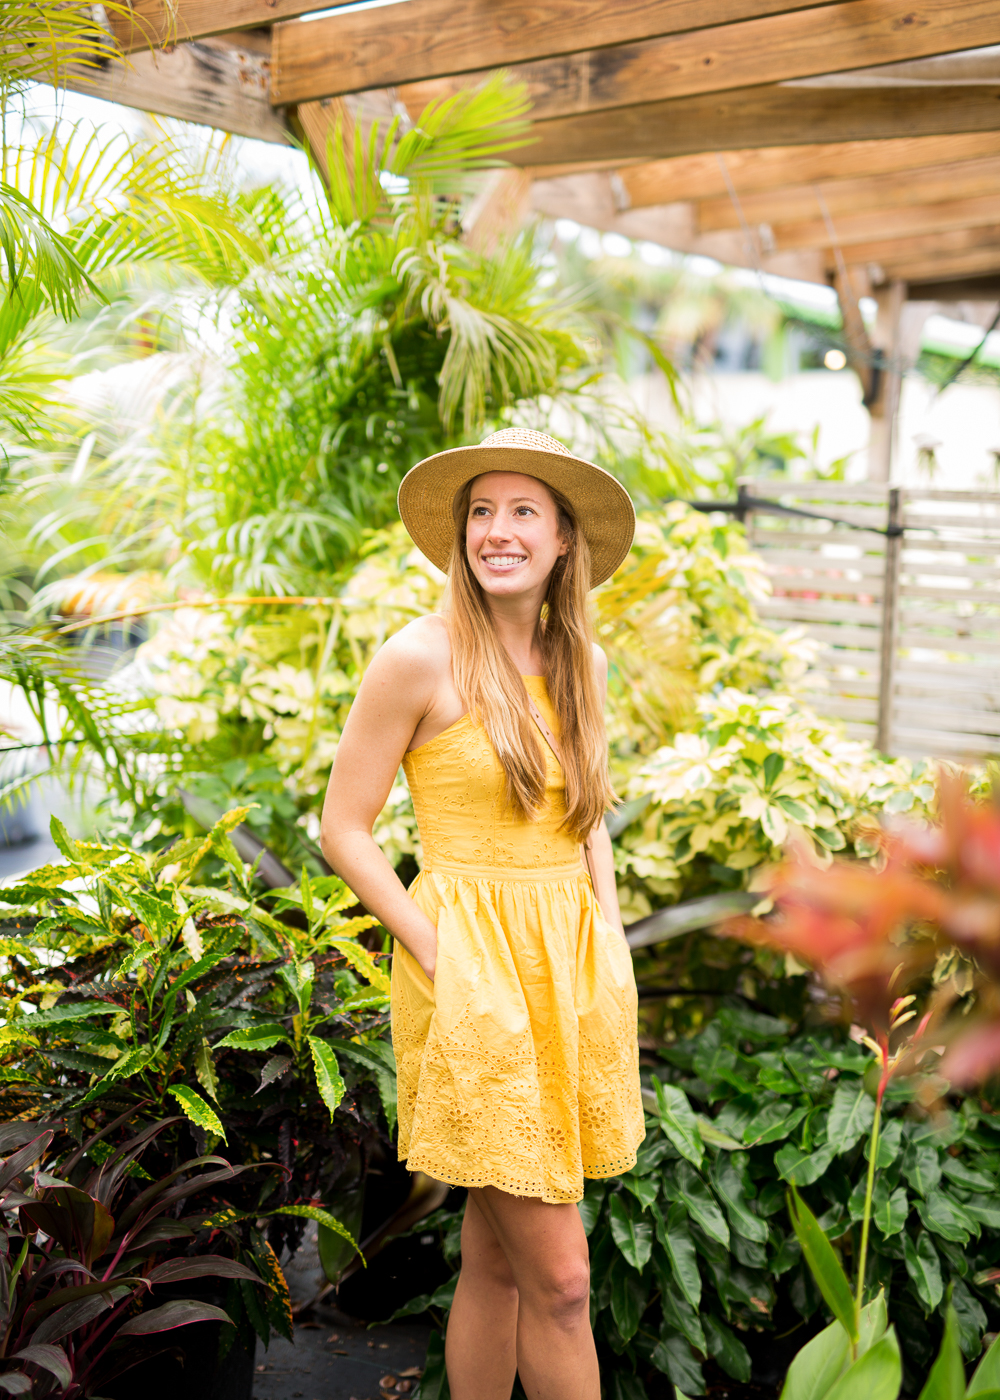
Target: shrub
pixel 132 988
pixel 692 1252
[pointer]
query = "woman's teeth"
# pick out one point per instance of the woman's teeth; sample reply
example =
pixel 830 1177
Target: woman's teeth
pixel 505 561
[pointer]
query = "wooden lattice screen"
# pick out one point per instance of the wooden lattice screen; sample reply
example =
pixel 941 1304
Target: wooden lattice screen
pixel 911 619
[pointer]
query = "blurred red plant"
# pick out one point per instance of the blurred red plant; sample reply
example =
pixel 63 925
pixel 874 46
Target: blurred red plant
pixel 873 933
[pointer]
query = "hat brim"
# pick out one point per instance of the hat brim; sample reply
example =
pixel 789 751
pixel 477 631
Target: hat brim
pixel 602 506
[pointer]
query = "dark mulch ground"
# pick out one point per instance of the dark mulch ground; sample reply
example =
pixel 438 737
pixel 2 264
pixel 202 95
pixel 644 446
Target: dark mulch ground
pixel 335 1357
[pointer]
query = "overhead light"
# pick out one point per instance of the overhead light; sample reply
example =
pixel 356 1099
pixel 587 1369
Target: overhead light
pixel 835 359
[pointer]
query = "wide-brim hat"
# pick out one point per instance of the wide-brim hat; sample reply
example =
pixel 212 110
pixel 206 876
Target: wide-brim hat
pixel 603 509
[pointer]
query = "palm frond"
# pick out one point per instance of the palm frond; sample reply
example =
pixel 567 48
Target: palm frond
pixel 31 251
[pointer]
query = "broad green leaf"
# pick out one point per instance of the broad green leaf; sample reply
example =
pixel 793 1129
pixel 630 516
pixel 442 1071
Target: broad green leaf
pixel 945 1217
pixel 889 1212
pixel 852 1114
pixel 133 1062
pixel 368 999
pixel 921 1166
pixel 434 1381
pixel 590 1207
pixel 644 1188
pixel 947 1377
pixel 675 1238
pixel 204 1069
pixel 924 1269
pixel 360 958
pixel 715 1137
pixel 774 1122
pixel 987 1374
pixel 381 1067
pixel 729 1185
pixel 255 1038
pixel 678 1314
pixel 195 1108
pixel 874 1322
pixel 815 1368
pixel 984 1209
pixel 823 1263
pixel 624 1386
pixel 801 1166
pixel 713 1061
pixel 890 1141
pixel 965 1177
pixel 678 1121
pixel 877 1375
pixel 331 1086
pixel 727 1349
pixel 628 1298
pixel 673 1357
pixel 632 1234
pixel 972 1320
pixel 701 1204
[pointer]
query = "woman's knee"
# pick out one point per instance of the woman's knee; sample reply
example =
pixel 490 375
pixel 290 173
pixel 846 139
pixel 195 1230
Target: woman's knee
pixel 562 1291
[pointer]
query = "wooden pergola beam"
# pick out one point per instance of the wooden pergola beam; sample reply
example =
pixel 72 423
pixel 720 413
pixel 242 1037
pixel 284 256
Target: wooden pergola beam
pixel 961 265
pixel 893 252
pixel 356 51
pixel 427 39
pixel 214 82
pixel 156 22
pixel 908 222
pixel 841 198
pixel 756 171
pixel 770 115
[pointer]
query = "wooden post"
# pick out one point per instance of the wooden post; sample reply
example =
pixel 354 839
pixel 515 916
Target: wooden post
pixel 890 616
pixel 884 400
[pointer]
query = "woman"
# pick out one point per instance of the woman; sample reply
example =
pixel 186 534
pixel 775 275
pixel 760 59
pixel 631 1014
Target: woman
pixel 513 999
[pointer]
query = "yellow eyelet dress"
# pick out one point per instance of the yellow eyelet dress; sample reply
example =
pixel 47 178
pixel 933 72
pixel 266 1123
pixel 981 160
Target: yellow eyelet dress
pixel 519 1065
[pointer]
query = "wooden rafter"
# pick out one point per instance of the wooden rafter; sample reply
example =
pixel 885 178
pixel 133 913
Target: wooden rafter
pixel 907 222
pixel 872 194
pixel 436 38
pixel 947 244
pixel 757 170
pixel 771 115
pixel 961 265
pixel 214 82
pixel 158 22
pixel 767 48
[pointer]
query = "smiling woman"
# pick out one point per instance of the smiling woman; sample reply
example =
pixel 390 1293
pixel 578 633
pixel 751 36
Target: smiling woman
pixel 513 999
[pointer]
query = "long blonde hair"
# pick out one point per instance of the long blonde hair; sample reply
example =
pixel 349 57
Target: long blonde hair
pixel 496 696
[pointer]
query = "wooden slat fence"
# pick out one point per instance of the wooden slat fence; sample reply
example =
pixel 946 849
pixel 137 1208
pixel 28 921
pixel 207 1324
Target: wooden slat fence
pixel 905 590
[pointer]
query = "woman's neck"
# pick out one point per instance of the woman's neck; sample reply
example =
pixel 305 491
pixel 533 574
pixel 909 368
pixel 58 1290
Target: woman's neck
pixel 516 623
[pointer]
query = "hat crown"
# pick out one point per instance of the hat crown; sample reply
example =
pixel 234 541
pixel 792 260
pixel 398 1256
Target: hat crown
pixel 525 437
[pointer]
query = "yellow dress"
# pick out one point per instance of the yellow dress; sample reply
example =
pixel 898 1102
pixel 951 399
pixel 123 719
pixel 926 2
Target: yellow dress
pixel 519 1066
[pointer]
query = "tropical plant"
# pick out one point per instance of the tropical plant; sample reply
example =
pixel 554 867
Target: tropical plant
pixel 78 1267
pixel 721 801
pixel 132 986
pixel 692 1253
pixel 874 934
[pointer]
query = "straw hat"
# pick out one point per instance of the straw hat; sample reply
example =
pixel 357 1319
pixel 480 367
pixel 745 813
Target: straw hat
pixel 602 506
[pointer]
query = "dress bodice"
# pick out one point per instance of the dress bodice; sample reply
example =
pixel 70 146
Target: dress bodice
pixel 457 785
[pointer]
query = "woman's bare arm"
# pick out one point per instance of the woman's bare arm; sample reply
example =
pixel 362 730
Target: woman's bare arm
pixel 397 690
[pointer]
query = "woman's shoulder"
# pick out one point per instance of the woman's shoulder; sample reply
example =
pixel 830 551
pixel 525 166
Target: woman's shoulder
pixel 421 648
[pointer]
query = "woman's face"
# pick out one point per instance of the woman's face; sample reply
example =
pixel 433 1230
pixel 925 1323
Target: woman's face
pixel 512 537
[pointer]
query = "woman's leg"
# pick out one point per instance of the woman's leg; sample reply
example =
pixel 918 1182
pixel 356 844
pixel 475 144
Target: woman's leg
pixel 482 1326
pixel 546 1250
